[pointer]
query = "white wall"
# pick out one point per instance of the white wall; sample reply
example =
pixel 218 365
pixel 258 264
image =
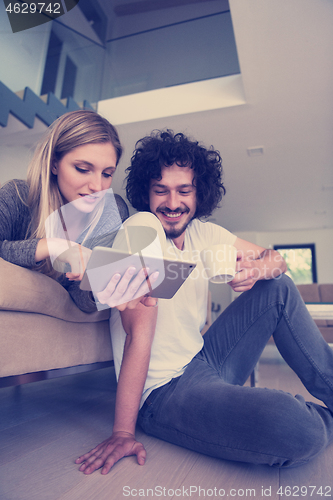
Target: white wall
pixel 14 162
pixel 17 144
pixel 222 296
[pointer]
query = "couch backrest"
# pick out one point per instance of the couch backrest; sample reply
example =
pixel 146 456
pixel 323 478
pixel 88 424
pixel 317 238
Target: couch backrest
pixel 316 292
pixel 310 293
pixel 326 295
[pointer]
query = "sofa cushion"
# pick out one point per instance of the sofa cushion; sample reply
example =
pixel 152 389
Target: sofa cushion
pixel 326 295
pixel 310 293
pixel 327 333
pixel 29 291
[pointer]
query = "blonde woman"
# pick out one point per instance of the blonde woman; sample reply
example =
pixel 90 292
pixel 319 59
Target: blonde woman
pixel 51 222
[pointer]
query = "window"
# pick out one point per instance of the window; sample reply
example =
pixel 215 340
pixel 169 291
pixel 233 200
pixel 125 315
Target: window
pixel 51 64
pixel 301 262
pixel 68 84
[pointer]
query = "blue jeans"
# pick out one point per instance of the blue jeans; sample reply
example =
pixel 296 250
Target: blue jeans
pixel 208 409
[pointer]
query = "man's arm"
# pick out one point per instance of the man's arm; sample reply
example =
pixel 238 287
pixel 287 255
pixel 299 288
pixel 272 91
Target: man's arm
pixel 255 263
pixel 139 325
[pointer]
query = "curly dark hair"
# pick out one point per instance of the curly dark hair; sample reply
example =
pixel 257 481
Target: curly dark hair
pixel 164 148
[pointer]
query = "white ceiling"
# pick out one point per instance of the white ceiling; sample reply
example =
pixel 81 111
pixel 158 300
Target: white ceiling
pixel 285 54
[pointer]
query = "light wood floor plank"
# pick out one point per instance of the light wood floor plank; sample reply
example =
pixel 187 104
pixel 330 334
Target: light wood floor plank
pixel 34 434
pixel 38 399
pixel 225 478
pixel 46 473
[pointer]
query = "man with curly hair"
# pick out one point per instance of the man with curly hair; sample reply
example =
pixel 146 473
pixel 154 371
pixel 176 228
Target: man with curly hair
pixel 188 389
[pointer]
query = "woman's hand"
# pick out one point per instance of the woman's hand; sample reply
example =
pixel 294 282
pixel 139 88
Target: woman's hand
pixel 120 444
pixel 75 255
pixel 62 252
pixel 127 292
pixel 121 292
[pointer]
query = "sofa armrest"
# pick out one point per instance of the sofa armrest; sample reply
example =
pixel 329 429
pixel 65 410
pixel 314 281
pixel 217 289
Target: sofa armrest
pixel 25 290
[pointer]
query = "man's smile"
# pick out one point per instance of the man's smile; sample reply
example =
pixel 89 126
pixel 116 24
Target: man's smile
pixel 172 216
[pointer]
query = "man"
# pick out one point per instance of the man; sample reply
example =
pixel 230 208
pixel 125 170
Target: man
pixel 189 390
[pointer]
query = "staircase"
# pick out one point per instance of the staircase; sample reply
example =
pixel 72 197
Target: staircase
pixel 27 105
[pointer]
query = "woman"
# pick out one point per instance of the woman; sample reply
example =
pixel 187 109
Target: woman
pixel 51 222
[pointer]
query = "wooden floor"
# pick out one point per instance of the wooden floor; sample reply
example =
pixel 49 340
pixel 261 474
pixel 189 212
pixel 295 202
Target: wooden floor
pixel 45 425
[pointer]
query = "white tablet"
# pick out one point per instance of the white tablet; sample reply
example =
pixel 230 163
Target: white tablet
pixel 105 262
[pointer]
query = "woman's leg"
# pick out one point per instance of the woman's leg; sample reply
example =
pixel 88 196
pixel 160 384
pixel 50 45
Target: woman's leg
pixel 205 410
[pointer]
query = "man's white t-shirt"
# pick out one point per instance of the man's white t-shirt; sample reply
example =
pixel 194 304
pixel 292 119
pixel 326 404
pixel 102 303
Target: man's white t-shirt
pixel 180 319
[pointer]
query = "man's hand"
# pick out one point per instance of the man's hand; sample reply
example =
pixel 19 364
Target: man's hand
pixel 120 444
pixel 247 271
pixel 252 266
pixel 127 292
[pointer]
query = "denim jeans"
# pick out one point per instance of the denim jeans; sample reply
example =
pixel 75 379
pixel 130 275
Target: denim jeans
pixel 208 410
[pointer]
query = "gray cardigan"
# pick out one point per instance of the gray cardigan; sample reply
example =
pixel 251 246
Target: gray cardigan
pixel 16 246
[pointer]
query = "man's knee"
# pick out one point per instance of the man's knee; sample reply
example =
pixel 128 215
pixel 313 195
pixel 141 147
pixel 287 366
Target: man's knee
pixel 281 285
pixel 305 446
pixel 302 428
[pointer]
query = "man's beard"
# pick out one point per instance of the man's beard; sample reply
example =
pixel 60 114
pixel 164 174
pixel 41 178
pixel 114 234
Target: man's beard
pixel 174 232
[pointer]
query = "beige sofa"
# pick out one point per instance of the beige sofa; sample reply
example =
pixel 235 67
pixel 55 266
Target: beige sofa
pixel 316 292
pixel 42 332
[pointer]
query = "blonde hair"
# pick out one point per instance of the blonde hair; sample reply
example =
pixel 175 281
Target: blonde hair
pixel 71 130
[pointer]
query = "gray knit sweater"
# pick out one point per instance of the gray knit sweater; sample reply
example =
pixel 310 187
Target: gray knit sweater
pixel 16 246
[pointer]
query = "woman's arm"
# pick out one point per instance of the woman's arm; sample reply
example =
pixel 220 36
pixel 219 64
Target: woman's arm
pixel 139 324
pixel 14 223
